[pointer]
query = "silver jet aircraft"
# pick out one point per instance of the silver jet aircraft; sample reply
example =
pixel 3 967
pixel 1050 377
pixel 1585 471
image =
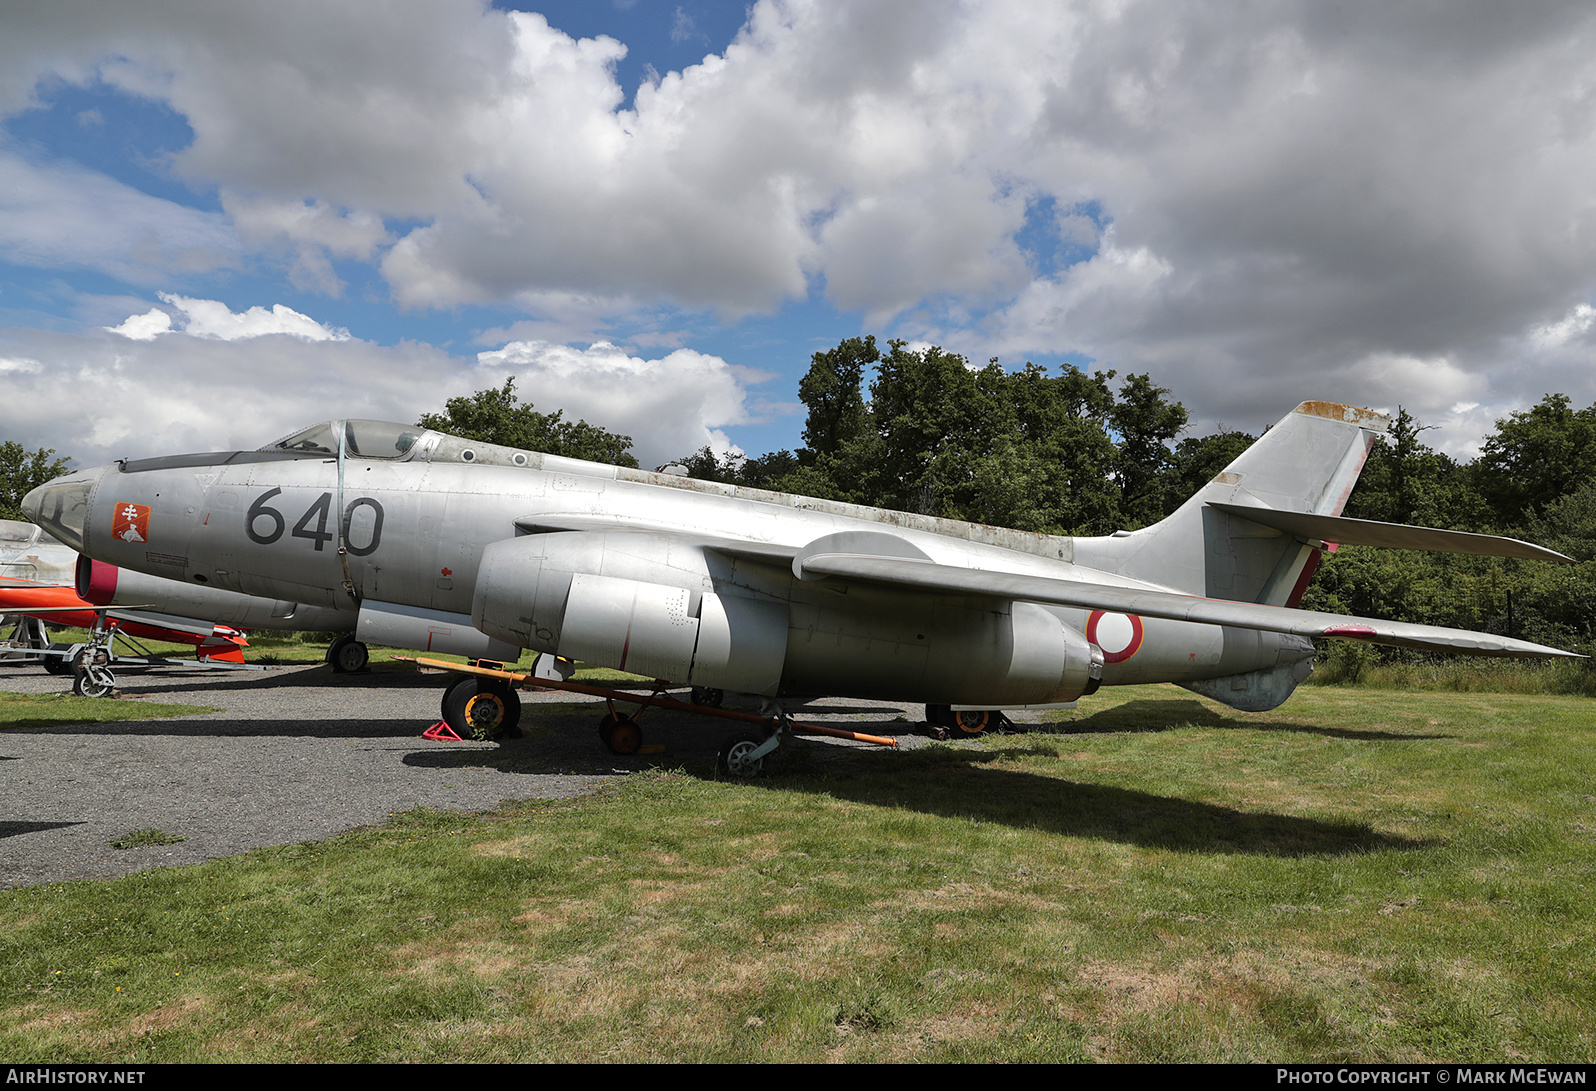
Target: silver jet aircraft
pixel 738 589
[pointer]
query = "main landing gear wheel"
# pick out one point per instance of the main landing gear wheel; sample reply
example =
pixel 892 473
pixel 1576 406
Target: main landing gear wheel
pixel 346 655
pixel 736 757
pixel 620 733
pixel 483 709
pixel 704 697
pixel 94 681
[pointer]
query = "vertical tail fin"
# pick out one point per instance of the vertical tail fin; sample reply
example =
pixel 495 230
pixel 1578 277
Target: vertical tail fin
pixel 1306 463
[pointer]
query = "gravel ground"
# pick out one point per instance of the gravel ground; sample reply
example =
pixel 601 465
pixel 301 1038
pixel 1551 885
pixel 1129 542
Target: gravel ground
pixel 299 754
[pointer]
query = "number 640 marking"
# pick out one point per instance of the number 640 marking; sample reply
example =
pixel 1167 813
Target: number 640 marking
pixel 320 509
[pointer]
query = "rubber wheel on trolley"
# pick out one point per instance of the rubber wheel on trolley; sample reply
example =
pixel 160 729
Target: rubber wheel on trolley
pixel 94 681
pixel 620 734
pixel 973 721
pixel 735 759
pixel 57 664
pixel 482 708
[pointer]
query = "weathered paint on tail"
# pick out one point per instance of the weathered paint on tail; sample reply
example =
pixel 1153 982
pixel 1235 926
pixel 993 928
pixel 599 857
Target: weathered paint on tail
pixel 1307 463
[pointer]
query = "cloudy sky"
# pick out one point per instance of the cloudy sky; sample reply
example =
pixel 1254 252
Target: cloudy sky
pixel 219 220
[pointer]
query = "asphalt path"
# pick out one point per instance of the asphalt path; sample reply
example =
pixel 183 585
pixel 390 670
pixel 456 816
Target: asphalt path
pixel 299 754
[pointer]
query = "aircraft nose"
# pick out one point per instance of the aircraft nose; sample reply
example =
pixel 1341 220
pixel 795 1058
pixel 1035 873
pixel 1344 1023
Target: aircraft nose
pixel 62 506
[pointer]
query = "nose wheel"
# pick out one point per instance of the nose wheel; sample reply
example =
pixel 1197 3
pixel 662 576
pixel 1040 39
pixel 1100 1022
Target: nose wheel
pixel 743 755
pixel 93 680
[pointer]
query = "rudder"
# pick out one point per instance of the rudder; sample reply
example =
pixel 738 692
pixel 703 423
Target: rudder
pixel 1306 463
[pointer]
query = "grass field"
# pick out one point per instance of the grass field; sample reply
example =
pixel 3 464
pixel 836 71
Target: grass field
pixel 1362 875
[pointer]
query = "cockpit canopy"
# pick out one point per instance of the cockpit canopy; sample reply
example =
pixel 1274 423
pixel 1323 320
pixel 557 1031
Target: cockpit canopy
pixel 362 439
pixel 381 439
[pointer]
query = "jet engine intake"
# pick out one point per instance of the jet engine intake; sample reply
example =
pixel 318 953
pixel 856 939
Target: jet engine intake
pixel 637 602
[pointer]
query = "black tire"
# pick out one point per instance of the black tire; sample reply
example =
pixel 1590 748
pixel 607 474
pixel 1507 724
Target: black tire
pixel 346 655
pixel 94 681
pixel 734 761
pixel 454 683
pixel 621 734
pixel 57 664
pixel 482 708
pixel 939 715
pixel 705 697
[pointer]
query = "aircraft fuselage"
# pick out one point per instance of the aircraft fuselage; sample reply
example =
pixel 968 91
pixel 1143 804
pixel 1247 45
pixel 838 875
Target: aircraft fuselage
pixel 707 576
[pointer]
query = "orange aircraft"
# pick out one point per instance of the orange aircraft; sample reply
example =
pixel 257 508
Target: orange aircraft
pixel 62 606
pixel 37 576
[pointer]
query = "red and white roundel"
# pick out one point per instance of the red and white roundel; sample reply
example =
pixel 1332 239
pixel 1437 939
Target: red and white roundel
pixel 1119 635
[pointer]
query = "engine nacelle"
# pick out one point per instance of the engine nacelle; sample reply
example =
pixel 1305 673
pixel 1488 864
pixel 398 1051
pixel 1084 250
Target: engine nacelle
pixel 643 603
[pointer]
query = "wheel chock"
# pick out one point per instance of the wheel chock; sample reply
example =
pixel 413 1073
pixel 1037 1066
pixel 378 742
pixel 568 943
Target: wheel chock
pixel 441 732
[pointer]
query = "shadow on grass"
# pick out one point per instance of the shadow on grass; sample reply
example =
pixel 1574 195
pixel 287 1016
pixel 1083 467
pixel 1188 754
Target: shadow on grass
pixel 1170 715
pixel 956 784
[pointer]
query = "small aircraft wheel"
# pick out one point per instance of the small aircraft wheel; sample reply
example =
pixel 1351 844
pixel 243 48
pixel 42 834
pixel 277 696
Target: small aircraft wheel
pixel 736 756
pixel 973 721
pixel 481 708
pixel 939 715
pixel 621 734
pixel 346 655
pixel 57 664
pixel 93 681
pixel 704 697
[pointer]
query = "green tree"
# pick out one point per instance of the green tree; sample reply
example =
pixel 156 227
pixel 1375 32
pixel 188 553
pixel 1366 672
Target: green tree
pixel 1199 459
pixel 1536 457
pixel 1144 466
pixel 840 459
pixel 1405 481
pixel 499 416
pixel 1067 474
pixel 22 471
pixel 833 391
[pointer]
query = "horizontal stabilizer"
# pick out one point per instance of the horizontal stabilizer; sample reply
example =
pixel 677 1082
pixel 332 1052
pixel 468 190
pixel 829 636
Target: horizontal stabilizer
pixel 928 576
pixel 1336 528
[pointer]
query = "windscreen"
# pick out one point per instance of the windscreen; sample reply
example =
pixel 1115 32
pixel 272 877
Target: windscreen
pixel 318 439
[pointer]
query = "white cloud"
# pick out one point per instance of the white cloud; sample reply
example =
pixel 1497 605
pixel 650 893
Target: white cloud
pixel 212 320
pixel 670 406
pixel 180 392
pixel 144 327
pixel 1294 190
pixel 54 216
pixel 315 233
pixel 1556 334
